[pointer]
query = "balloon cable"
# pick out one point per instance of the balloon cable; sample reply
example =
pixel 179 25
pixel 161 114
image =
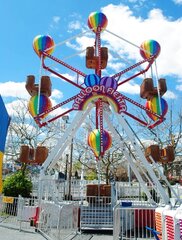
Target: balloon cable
pixel 39 88
pixel 99 178
pixel 133 44
pixel 67 40
pixel 157 84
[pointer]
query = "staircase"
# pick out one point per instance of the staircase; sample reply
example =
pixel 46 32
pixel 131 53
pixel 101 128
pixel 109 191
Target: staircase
pixel 96 216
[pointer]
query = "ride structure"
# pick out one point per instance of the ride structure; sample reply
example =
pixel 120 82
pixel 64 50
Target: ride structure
pixel 102 93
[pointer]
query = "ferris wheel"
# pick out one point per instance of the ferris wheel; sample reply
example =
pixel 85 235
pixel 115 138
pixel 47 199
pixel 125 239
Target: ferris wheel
pixel 98 89
pixel 101 93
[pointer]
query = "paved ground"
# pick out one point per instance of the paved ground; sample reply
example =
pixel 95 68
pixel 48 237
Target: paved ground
pixel 94 235
pixel 12 234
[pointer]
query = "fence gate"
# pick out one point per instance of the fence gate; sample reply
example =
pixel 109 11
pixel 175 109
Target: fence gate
pixel 131 222
pixel 17 212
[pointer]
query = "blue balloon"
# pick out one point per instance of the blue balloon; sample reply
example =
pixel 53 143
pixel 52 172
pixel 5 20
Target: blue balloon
pixel 91 80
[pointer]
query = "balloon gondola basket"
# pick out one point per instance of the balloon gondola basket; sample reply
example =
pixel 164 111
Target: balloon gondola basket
pixel 160 155
pixel 33 156
pixel 98 194
pixel 33 88
pixel 147 89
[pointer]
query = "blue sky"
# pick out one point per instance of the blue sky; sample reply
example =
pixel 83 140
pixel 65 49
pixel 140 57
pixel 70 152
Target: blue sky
pixel 133 20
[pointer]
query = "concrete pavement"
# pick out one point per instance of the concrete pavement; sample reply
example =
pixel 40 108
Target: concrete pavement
pixel 12 234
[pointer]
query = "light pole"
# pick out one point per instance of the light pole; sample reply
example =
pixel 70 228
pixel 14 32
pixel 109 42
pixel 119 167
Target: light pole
pixel 65 119
pixel 70 170
pixel 66 167
pixel 68 174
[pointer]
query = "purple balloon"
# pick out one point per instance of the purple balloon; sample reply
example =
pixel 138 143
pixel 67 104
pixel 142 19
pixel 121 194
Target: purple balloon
pixel 109 82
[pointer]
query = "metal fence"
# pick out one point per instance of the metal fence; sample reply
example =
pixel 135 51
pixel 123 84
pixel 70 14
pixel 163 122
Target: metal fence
pixel 59 218
pixel 17 212
pixel 130 221
pixel 51 189
pixel 134 192
pixel 55 221
pixel 178 189
pixel 58 190
pixel 58 221
pixel 96 213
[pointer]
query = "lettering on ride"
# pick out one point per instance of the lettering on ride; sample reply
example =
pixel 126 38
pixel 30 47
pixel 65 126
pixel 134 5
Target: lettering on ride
pixel 92 94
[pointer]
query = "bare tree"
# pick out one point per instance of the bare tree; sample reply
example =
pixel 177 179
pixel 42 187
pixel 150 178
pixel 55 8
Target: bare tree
pixel 23 130
pixel 168 133
pixel 108 164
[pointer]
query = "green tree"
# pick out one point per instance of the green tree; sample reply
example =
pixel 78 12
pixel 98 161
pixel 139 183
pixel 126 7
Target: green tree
pixel 17 184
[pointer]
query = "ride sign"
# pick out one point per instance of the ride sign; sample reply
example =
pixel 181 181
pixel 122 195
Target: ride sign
pixel 92 94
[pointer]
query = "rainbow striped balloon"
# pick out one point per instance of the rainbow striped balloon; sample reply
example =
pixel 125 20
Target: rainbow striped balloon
pixel 149 48
pixel 97 19
pixel 44 104
pixel 94 141
pixel 43 42
pixel 109 82
pixel 91 80
pixel 154 106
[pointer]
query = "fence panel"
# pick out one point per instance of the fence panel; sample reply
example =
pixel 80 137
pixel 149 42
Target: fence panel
pixel 96 213
pixel 131 222
pixel 57 221
pixel 57 190
pixel 17 212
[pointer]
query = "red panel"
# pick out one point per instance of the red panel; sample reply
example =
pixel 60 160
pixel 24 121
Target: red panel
pixel 145 217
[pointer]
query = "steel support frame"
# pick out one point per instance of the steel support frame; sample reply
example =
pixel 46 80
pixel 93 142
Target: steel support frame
pixel 155 165
pixel 70 133
pixel 130 160
pixel 144 162
pixel 142 158
pixel 63 142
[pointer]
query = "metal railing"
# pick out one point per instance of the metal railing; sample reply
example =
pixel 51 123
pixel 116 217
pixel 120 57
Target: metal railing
pixel 130 222
pixel 96 213
pixel 130 192
pixel 16 212
pixel 58 221
pixel 51 189
pixel 55 190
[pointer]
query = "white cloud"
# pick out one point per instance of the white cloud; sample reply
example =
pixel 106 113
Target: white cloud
pixel 177 1
pixel 71 77
pixel 74 25
pixel 56 94
pixel 15 106
pixel 129 87
pixel 116 66
pixel 82 43
pixel 56 19
pixel 179 87
pixel 170 95
pixel 14 89
pixel 18 90
pixel 55 22
pixel 66 75
pixel 132 1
